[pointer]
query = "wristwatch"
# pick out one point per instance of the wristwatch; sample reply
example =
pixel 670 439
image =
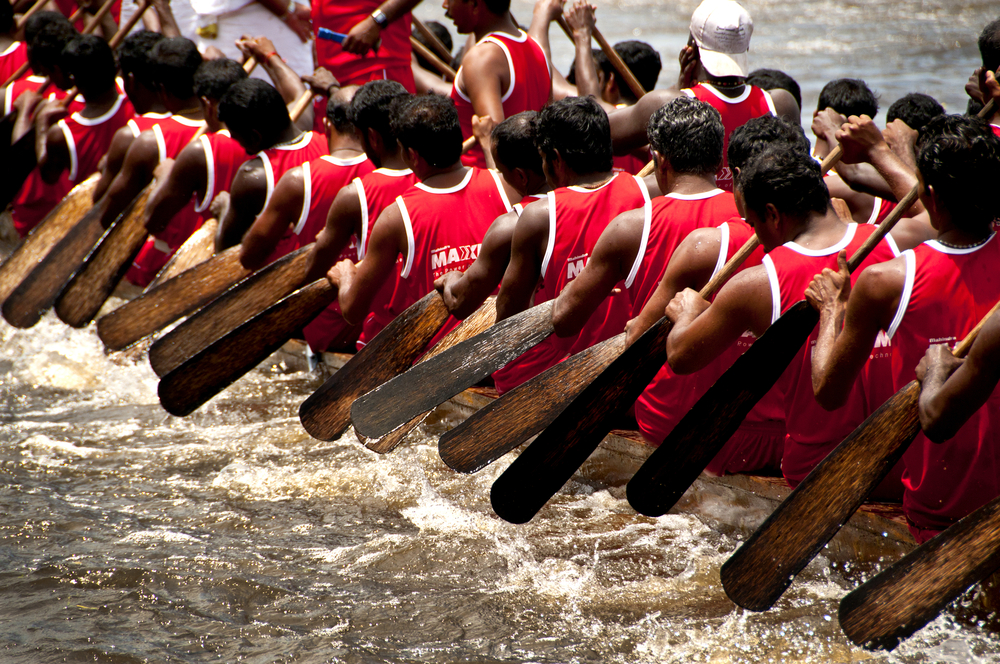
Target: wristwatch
pixel 381 20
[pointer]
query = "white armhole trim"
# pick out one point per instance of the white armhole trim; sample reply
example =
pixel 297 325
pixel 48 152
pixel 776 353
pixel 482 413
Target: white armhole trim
pixel 135 128
pixel 892 245
pixel 689 92
pixel 647 219
pixel 510 64
pixel 723 249
pixel 876 207
pixel 503 192
pixel 268 175
pixel 161 145
pixel 71 147
pixel 904 300
pixel 772 276
pixel 518 209
pixel 306 198
pixel 770 102
pixel 410 244
pixel 552 233
pixel 363 201
pixel 209 174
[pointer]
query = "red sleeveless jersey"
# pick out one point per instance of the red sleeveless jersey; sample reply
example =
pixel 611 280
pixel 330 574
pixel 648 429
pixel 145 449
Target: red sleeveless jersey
pixel 529 89
pixel 11 60
pixel 735 112
pixel 812 431
pixel 947 292
pixel 34 83
pixel 996 129
pixel 223 157
pixel 68 7
pixel 391 60
pixel 281 159
pixel 88 139
pixel 577 217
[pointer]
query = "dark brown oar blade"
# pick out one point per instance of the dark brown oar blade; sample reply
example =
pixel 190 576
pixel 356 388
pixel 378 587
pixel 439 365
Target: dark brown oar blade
pixel 38 291
pixel 326 414
pixel 511 420
pixel 475 324
pixel 19 161
pixel 44 236
pixel 226 312
pixel 196 250
pixel 765 566
pixel 216 367
pixel 431 383
pixel 160 306
pixel 105 267
pixel 914 590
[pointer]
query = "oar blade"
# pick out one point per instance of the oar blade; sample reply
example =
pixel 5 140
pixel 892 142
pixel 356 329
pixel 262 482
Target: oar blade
pixel 196 250
pixel 902 599
pixel 326 414
pixel 702 432
pixel 511 420
pixel 219 365
pixel 429 384
pixel 765 565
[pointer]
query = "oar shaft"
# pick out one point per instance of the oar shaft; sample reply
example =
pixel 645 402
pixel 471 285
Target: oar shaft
pixel 623 69
pixel 28 14
pixel 436 44
pixel 432 58
pixel 301 104
pixel 95 20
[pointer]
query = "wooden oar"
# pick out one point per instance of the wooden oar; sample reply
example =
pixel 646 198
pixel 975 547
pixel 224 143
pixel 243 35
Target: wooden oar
pixel 549 462
pixel 914 590
pixel 327 413
pixel 616 61
pixel 436 44
pixel 429 384
pixel 196 250
pixel 429 55
pixel 31 11
pixel 478 322
pixel 23 69
pixel 764 567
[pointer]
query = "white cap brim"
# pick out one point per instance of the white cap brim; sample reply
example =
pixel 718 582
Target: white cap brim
pixel 724 64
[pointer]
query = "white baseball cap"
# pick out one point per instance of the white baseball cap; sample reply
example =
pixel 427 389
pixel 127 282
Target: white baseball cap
pixel 722 30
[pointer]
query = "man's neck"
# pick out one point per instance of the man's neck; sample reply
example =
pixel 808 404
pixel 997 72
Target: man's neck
pixel 442 178
pixel 688 184
pixel 730 87
pixel 818 231
pixel 589 180
pixel 497 24
pixel 289 134
pixel 188 108
pixel 338 143
pixel 393 162
pixel 98 105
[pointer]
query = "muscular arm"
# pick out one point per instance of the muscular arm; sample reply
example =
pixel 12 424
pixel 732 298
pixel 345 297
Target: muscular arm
pixel 860 203
pixel 484 77
pixel 285 80
pixel 188 177
pixel 282 211
pixel 114 159
pixel 247 195
pixel 136 172
pixel 342 221
pixel 388 238
pixel 628 125
pixel 53 158
pixel 524 271
pixel 610 262
pixel 862 141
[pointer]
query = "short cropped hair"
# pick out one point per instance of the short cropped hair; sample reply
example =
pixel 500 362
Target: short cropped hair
pixel 90 61
pixel 439 31
pixel 135 56
pixel 338 112
pixel 214 77
pixel 6 17
pixel 429 125
pixel 641 58
pixel 253 104
pixel 915 109
pixel 775 79
pixel 689 134
pixel 848 96
pixel 175 60
pixel 39 20
pixel 371 108
pixel 514 142
pixel 578 128
pixel 791 181
pixel 761 133
pixel 989 45
pixel 498 7
pixel 46 47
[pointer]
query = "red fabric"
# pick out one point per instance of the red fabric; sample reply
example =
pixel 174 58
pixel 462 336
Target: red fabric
pixel 530 85
pixel 630 163
pixel 577 217
pixel 88 139
pixel 34 83
pixel 11 60
pixel 812 431
pixel 68 7
pixel 279 160
pixel 753 103
pixel 391 60
pixel 996 129
pixel 223 157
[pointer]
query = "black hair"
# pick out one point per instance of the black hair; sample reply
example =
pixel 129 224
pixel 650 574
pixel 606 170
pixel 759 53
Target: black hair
pixel 761 133
pixel 338 112
pixel 973 107
pixel 578 128
pixel 175 60
pixel 689 134
pixel 915 109
pixel 775 79
pixel 371 108
pixel 641 58
pixel 135 56
pixel 46 47
pixel 214 77
pixel 429 125
pixel 440 32
pixel 39 20
pixel 253 104
pixel 498 7
pixel 6 17
pixel 91 63
pixel 989 45
pixel 959 157
pixel 789 180
pixel 514 142
pixel 848 96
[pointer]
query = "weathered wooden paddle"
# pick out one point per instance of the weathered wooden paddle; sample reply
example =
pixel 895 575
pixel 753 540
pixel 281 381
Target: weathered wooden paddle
pixel 478 322
pixel 326 414
pixel 196 250
pixel 549 462
pixel 766 564
pixel 429 384
pixel 225 313
pixel 161 305
pixel 427 54
pixel 914 590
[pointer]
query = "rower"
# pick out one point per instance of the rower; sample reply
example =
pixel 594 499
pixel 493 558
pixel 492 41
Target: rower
pixel 714 70
pixel 13 53
pixel 46 35
pixel 506 72
pixel 554 237
pixel 435 227
pixel 989 51
pixel 934 293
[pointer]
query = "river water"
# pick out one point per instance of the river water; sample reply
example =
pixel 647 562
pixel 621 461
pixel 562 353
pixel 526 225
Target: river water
pixel 127 535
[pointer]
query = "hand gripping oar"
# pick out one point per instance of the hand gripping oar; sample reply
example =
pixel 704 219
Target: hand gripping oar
pixel 703 431
pixel 616 61
pixel 764 567
pixel 915 589
pixel 431 383
pixel 479 321
pixel 549 462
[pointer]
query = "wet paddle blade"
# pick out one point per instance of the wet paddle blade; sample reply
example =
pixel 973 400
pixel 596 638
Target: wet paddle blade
pixel 326 414
pixel 475 324
pixel 105 267
pixel 196 250
pixel 913 591
pixel 219 365
pixel 511 420
pixel 19 161
pixel 225 313
pixel 698 437
pixel 765 565
pixel 431 383
pixel 161 305
pixel 45 235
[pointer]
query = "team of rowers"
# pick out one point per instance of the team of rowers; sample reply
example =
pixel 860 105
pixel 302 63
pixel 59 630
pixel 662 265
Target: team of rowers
pixel 548 205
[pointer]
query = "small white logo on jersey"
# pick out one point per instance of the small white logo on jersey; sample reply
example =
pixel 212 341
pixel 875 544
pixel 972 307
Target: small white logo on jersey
pixel 447 256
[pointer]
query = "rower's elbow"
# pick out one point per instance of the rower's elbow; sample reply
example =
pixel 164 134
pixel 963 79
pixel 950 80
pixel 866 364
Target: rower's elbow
pixel 250 258
pixel 937 428
pixel 680 358
pixel 828 398
pixel 564 324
